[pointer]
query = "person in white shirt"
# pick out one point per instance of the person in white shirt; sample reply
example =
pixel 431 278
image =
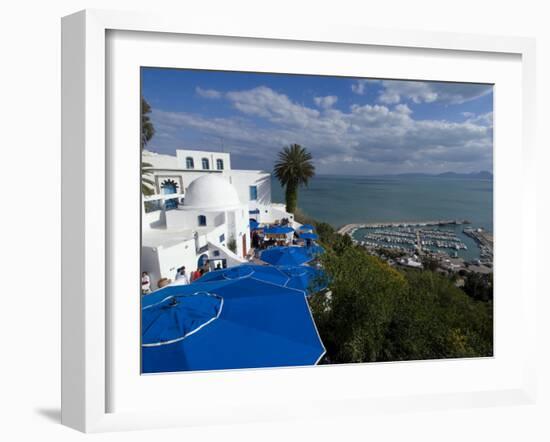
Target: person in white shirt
pixel 145 283
pixel 181 277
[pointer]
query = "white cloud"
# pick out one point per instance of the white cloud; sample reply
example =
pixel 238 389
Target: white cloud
pixel 418 92
pixel 359 87
pixel 326 102
pixel 371 138
pixel 277 108
pixel 208 93
pixel 481 119
pixel 428 92
pixel 403 108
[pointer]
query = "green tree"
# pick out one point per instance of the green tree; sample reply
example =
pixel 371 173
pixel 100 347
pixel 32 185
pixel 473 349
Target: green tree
pixel 147 184
pixel 478 286
pixel 430 263
pixel 147 132
pixel 354 319
pixel 390 253
pixel 293 168
pixel 147 128
pixel 327 234
pixel 440 321
pixel 377 313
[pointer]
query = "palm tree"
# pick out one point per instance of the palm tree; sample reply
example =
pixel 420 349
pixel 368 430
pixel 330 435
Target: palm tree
pixel 147 132
pixel 147 128
pixel 293 169
pixel 147 185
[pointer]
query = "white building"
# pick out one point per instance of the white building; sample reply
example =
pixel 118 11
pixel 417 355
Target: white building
pixel 200 212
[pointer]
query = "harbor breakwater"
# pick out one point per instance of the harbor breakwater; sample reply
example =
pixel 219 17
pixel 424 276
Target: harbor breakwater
pixel 350 228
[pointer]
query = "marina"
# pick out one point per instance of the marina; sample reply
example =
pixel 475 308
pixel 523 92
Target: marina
pixel 484 241
pixel 419 239
pixel 443 240
pixel 351 228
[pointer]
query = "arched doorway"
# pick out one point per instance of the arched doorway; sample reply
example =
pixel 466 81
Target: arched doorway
pixel 203 259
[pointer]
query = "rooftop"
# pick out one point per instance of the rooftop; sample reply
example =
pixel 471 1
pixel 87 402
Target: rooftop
pixel 169 237
pixel 211 192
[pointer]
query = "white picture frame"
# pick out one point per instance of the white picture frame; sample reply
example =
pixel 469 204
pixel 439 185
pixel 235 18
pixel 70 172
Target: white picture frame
pixel 86 316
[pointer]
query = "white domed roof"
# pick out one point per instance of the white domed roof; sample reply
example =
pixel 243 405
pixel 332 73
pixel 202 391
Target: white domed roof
pixel 211 192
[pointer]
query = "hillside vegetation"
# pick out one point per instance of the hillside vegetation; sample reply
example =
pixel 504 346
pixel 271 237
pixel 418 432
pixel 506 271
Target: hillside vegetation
pixel 378 313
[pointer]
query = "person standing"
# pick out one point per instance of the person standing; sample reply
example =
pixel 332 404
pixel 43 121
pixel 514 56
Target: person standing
pixel 195 275
pixel 181 276
pixel 145 283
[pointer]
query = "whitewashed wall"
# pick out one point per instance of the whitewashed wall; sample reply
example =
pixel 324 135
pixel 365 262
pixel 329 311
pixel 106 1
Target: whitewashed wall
pixel 198 155
pixel 188 219
pixel 243 179
pixel 173 257
pixel 163 262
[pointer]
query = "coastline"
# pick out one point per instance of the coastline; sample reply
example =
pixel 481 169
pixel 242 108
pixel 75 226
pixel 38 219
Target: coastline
pixel 453 249
pixel 339 201
pixel 349 228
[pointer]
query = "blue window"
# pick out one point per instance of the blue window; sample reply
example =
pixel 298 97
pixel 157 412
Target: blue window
pixel 202 220
pixel 169 186
pixel 253 193
pixel 222 237
pixel 219 164
pixel 189 163
pixel 205 164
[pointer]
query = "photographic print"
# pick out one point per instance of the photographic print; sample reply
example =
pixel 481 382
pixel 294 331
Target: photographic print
pixel 301 220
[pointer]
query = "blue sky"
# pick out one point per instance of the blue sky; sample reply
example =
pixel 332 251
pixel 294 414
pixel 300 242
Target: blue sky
pixel 351 126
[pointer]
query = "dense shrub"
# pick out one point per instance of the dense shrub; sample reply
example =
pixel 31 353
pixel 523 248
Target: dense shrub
pixel 377 313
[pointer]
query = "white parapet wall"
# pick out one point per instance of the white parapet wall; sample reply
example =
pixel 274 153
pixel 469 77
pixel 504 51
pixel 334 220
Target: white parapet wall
pixel 231 258
pixel 154 219
pixel 164 261
pixel 272 213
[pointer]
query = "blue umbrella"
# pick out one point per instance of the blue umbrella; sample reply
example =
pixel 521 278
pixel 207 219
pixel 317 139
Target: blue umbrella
pixel 174 318
pixel 281 256
pixel 308 235
pixel 305 278
pixel 305 227
pixel 278 230
pixel 242 323
pixel 263 273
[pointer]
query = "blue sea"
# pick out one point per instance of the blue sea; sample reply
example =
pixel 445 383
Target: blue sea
pixel 340 200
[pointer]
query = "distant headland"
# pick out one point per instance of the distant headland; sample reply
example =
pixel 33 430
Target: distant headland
pixel 481 175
